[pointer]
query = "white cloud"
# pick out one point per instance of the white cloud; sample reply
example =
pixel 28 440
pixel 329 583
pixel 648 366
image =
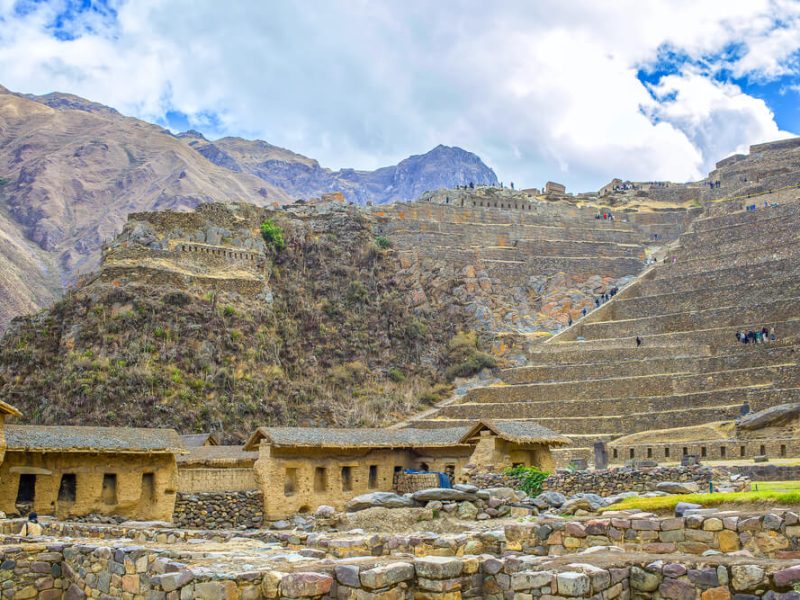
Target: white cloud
pixel 539 90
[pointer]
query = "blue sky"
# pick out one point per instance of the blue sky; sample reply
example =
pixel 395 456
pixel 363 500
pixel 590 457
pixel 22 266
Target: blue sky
pixel 575 91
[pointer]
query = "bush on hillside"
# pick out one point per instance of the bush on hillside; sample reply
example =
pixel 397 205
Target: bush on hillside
pixel 273 235
pixel 464 358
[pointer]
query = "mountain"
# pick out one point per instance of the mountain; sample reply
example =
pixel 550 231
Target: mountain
pixel 441 168
pixel 71 170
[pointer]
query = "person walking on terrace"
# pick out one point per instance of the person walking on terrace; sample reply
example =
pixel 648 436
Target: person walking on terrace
pixel 638 341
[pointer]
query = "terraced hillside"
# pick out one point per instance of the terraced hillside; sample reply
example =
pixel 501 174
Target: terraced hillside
pixel 734 269
pixel 523 267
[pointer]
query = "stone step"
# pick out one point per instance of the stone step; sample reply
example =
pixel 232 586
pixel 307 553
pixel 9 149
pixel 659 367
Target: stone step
pixel 619 425
pixel 756 238
pixel 739 217
pixel 783 375
pixel 744 315
pixel 589 408
pixel 714 337
pixel 736 359
pixel 557 354
pixel 757 253
pixel 715 278
pixel 778 226
pixel 767 289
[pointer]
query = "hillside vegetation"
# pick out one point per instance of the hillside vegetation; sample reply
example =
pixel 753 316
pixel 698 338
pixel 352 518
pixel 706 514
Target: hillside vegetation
pixel 334 340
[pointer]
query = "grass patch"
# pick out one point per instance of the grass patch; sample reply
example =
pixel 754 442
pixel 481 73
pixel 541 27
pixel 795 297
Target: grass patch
pixel 775 486
pixel 669 502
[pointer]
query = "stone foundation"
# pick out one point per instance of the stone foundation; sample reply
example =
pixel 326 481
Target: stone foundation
pixel 219 510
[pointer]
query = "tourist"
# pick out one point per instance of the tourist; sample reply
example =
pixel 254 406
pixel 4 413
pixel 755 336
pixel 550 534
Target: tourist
pixel 31 527
pixel 772 337
pixel 765 333
pixel 569 322
pixel 638 341
pixel 584 311
pixel 739 336
pixel 745 409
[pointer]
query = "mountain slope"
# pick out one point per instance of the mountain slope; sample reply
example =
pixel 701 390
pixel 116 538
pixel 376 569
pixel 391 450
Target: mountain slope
pixel 71 170
pixel 302 177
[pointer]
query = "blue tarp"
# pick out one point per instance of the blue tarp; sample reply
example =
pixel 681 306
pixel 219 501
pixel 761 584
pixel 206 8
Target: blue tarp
pixel 444 480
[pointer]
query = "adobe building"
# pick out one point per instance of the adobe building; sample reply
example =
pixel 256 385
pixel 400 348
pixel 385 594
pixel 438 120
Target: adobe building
pixel 75 471
pixel 299 469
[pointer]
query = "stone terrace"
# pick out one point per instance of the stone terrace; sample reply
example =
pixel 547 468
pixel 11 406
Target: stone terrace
pixel 732 270
pixel 504 251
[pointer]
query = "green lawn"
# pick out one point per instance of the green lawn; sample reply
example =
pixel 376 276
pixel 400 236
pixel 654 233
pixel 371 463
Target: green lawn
pixel 663 503
pixel 778 486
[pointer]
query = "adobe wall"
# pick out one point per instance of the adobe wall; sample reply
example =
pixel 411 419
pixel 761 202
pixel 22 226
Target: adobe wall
pixel 132 499
pixel 216 479
pixel 309 489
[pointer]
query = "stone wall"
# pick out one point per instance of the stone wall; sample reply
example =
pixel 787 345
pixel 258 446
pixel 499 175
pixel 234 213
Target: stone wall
pixel 216 479
pixel 625 479
pixel 219 510
pixel 40 572
pixel 767 472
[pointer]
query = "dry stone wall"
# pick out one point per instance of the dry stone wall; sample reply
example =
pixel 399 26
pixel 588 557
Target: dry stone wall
pixel 219 510
pixel 552 564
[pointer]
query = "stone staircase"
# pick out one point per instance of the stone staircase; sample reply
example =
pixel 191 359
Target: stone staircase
pixel 732 270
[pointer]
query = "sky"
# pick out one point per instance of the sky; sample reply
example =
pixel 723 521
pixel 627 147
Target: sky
pixel 570 90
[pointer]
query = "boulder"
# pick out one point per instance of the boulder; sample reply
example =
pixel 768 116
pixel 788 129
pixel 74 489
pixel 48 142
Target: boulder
pixel 466 487
pixel 442 494
pixel 324 512
pixel 682 507
pixel 678 487
pixel 378 499
pixel 549 500
pixel 467 510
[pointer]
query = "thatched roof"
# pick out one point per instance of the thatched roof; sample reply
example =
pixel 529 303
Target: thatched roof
pixel 7 409
pixel 522 432
pixel 195 440
pixel 124 440
pixel 324 437
pixel 217 456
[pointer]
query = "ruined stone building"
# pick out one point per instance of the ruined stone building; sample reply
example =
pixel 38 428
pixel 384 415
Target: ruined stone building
pixel 299 469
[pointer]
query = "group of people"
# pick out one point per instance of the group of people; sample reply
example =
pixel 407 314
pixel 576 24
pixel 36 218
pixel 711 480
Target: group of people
pixel 761 336
pixel 606 216
pixel 714 184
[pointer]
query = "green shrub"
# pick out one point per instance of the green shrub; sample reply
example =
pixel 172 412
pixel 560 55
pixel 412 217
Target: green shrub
pixel 396 375
pixel 530 478
pixel 383 242
pixel 273 235
pixel 159 332
pixel 228 311
pixel 416 330
pixel 464 358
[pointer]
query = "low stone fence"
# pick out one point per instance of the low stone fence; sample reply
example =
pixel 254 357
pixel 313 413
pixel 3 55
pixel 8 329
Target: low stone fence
pixel 81 571
pixel 767 472
pixel 627 479
pixel 219 510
